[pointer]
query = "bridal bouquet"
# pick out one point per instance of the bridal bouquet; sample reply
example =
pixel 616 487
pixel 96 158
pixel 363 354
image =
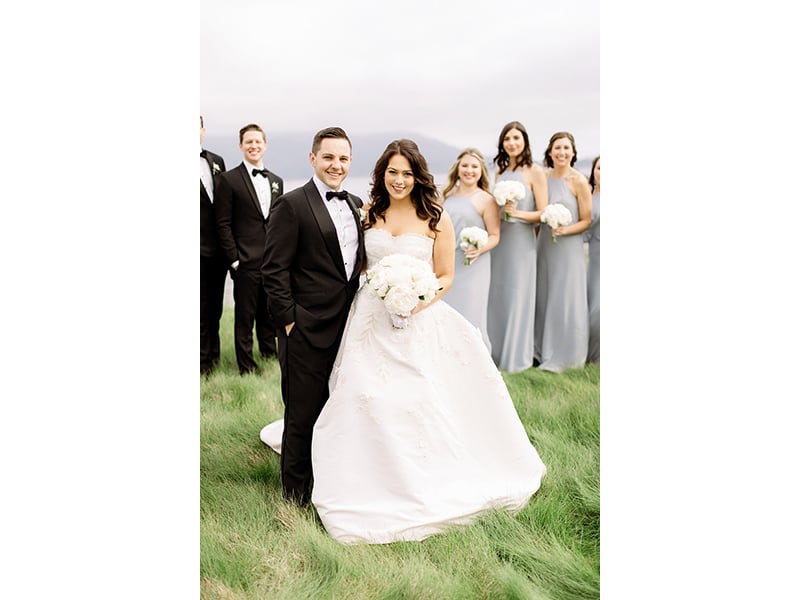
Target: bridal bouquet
pixel 401 282
pixel 472 236
pixel 556 215
pixel 508 191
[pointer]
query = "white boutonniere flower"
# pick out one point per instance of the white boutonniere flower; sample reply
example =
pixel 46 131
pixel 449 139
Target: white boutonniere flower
pixel 216 169
pixel 362 214
pixel 274 186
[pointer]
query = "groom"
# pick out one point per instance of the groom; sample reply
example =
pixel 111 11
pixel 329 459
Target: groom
pixel 312 261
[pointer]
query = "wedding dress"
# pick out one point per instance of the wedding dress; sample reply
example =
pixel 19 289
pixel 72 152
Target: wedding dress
pixel 419 432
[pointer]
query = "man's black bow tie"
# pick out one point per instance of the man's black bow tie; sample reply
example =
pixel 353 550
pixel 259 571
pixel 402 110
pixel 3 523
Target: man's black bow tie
pixel 340 195
pixel 259 172
pixel 202 153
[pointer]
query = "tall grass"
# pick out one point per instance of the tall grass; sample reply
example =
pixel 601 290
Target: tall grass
pixel 253 545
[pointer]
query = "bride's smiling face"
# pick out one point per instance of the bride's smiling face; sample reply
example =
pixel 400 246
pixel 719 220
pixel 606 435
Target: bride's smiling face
pixel 398 177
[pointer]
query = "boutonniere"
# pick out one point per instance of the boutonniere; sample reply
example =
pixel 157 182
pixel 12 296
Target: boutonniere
pixel 216 169
pixel 275 186
pixel 362 214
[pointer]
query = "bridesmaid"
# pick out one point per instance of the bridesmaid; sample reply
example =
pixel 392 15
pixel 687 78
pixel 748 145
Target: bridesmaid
pixel 510 320
pixel 468 202
pixel 593 283
pixel 562 309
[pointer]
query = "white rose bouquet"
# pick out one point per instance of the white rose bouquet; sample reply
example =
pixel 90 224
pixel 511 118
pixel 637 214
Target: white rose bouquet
pixel 508 191
pixel 401 282
pixel 472 236
pixel 556 215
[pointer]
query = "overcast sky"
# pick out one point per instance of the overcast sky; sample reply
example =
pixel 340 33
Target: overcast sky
pixel 456 71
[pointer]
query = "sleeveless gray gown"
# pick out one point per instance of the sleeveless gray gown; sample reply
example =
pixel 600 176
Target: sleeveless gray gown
pixel 469 294
pixel 593 283
pixel 562 309
pixel 513 288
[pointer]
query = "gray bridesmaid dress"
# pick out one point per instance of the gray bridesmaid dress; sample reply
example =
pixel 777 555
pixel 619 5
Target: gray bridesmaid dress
pixel 593 283
pixel 469 294
pixel 513 288
pixel 562 309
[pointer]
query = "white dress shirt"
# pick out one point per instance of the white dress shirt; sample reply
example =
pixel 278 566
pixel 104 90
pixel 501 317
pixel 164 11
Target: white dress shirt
pixel 206 177
pixel 345 223
pixel 261 184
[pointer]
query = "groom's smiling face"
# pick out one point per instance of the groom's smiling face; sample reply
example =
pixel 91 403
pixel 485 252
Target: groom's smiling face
pixel 332 161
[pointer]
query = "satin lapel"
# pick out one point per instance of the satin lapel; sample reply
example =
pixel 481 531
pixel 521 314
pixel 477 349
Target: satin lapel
pixel 248 184
pixel 325 224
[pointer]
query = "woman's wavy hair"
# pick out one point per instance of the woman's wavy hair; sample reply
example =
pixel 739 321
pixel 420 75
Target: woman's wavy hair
pixel 502 159
pixel 452 175
pixel 424 195
pixel 557 136
pixel 592 180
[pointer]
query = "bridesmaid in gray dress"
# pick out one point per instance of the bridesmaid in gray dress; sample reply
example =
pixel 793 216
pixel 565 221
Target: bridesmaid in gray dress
pixel 512 295
pixel 593 284
pixel 468 202
pixel 562 309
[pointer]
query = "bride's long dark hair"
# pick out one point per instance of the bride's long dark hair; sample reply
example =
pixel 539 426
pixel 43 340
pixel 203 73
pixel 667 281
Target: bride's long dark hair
pixel 424 194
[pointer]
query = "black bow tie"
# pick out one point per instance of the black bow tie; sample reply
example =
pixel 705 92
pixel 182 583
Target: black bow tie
pixel 340 195
pixel 202 153
pixel 259 172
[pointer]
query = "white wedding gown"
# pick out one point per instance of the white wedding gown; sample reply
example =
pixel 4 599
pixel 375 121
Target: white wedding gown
pixel 419 432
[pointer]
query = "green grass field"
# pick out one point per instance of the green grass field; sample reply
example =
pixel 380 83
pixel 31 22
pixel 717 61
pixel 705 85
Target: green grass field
pixel 253 545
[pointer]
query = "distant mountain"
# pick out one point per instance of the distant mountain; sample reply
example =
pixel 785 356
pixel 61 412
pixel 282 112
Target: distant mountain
pixel 287 153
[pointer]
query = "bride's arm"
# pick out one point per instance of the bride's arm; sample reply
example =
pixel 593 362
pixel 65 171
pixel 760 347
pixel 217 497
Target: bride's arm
pixel 444 259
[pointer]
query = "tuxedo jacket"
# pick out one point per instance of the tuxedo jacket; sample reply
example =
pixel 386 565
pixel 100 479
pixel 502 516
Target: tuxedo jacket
pixel 303 271
pixel 241 226
pixel 208 223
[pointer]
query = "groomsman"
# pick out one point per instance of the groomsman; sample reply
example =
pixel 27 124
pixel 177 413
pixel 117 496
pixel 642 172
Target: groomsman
pixel 244 195
pixel 213 267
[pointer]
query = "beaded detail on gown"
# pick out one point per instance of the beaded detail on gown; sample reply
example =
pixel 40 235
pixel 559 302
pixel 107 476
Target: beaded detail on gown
pixel 419 432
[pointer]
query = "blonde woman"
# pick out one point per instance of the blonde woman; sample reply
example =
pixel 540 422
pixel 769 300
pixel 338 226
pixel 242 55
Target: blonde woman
pixel 468 202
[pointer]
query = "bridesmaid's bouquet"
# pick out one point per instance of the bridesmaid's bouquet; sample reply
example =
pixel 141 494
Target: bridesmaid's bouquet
pixel 508 191
pixel 401 282
pixel 472 236
pixel 556 215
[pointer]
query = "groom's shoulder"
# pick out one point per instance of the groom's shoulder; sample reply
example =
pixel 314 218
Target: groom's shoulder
pixel 300 191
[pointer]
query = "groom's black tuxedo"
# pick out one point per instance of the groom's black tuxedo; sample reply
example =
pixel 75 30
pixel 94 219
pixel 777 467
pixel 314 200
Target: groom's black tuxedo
pixel 304 272
pixel 306 284
pixel 213 270
pixel 242 230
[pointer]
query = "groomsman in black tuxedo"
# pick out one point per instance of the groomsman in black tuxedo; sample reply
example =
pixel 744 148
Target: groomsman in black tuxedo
pixel 312 263
pixel 213 266
pixel 244 195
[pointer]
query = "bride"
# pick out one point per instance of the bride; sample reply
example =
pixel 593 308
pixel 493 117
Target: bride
pixel 419 432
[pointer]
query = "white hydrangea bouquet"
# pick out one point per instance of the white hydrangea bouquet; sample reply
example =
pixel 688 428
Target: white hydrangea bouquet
pixel 556 215
pixel 401 282
pixel 472 236
pixel 508 191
